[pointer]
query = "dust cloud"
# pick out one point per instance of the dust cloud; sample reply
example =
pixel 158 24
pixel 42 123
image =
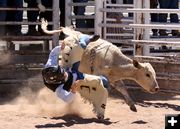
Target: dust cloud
pixel 47 104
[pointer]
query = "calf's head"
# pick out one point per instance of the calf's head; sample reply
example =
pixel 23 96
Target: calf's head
pixel 146 76
pixel 71 51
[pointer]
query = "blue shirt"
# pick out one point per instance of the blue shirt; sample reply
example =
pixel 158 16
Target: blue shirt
pixel 53 60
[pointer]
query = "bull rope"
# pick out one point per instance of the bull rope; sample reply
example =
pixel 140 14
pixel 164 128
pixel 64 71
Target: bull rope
pixel 93 55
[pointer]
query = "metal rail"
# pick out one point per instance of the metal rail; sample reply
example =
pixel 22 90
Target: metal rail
pixel 55 23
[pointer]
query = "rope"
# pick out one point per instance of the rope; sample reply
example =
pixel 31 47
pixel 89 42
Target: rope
pixel 93 55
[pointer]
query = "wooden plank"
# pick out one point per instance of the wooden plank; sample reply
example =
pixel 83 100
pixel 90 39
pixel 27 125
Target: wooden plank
pixel 82 17
pixel 174 26
pixel 24 52
pixel 23 9
pixel 89 3
pixel 147 10
pixel 125 41
pixel 165 38
pixel 117 10
pixel 56 21
pixel 120 5
pixel 25 38
pixel 125 19
pixel 22 23
pixel 119 34
pixel 23 57
pixel 154 42
pixel 85 30
pixel 114 25
pixel 98 17
pixel 68 12
pixel 169 75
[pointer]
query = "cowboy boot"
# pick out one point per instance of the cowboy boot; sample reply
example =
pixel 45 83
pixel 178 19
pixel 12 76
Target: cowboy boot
pixel 94 38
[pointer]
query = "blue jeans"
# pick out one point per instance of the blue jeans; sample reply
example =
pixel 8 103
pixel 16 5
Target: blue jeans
pixel 84 40
pixel 62 10
pixel 80 10
pixel 168 4
pixel 32 15
pixel 154 16
pixel 3 3
pixel 128 2
pixel 14 15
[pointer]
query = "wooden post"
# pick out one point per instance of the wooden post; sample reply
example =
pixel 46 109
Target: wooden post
pixel 56 19
pixel 146 33
pixel 68 11
pixel 104 29
pixel 137 31
pixel 98 16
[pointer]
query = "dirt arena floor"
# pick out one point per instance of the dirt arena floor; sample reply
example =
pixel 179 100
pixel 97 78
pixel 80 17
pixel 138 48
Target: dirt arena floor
pixel 45 111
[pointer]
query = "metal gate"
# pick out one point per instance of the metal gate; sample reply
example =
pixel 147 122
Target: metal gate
pixel 129 26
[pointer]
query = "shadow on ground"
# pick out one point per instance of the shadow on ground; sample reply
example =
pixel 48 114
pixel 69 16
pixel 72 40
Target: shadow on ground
pixel 145 99
pixel 70 120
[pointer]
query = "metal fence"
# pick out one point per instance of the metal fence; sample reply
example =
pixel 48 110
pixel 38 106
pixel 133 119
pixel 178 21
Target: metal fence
pixel 19 40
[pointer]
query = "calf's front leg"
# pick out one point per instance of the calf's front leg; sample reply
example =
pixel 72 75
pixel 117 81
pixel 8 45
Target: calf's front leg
pixel 120 86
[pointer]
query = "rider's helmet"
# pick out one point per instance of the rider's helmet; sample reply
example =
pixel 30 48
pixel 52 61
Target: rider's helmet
pixel 53 74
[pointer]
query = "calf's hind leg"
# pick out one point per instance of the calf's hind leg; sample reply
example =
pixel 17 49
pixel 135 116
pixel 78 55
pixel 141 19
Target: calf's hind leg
pixel 120 86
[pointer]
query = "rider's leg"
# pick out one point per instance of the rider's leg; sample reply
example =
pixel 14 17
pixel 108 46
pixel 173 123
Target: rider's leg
pixel 86 39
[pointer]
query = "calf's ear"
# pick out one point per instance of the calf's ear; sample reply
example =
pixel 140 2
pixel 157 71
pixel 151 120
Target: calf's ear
pixel 137 64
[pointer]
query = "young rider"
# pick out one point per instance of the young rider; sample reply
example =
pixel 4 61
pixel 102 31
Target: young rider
pixel 64 82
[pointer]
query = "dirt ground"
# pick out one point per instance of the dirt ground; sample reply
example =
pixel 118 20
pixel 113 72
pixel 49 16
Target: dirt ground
pixel 45 111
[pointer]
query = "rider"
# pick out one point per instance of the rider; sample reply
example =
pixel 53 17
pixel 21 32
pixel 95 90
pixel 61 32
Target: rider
pixel 64 82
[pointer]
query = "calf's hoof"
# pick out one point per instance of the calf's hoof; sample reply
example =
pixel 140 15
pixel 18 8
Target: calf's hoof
pixel 100 116
pixel 133 108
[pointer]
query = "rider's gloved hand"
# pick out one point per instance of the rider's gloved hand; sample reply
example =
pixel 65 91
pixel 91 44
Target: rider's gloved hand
pixel 75 86
pixel 41 7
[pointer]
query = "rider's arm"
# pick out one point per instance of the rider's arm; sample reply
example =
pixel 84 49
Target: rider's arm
pixel 53 59
pixel 64 95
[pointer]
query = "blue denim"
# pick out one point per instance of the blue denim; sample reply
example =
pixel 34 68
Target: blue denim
pixel 74 69
pixel 105 81
pixel 80 75
pixel 128 1
pixel 80 10
pixel 62 14
pixel 84 40
pixel 154 16
pixel 15 15
pixel 3 3
pixel 168 4
pixel 32 15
